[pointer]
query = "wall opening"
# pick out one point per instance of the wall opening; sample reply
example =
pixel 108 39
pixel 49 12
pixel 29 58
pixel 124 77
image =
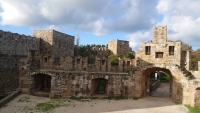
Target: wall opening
pixel 42 83
pixel 157 82
pixel 159 54
pixel 99 86
pixel 78 61
pixel 128 63
pixel 147 50
pixel 171 50
pixel 103 62
pixel 45 59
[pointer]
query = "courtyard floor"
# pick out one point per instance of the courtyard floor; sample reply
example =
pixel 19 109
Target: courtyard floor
pixel 32 104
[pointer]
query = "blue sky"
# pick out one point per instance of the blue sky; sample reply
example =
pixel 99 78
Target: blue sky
pixel 100 21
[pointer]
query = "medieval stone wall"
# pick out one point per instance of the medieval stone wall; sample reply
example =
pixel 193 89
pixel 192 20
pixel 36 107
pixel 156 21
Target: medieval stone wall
pixel 63 44
pixel 15 44
pixel 9 73
pixel 164 51
pixel 55 43
pixel 119 47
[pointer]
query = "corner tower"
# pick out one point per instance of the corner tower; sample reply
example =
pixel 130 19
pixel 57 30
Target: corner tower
pixel 159 34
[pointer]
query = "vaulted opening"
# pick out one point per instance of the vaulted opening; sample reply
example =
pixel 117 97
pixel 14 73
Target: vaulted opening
pixel 99 86
pixel 42 83
pixel 157 82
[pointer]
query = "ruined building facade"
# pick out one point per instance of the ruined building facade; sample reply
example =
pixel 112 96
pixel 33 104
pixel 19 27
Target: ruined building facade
pixel 53 71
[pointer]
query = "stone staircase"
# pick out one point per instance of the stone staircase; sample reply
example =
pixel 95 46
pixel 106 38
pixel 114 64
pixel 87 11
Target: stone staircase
pixel 186 73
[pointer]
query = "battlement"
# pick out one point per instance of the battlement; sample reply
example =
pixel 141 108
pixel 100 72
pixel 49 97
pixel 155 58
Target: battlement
pixel 16 44
pixel 159 34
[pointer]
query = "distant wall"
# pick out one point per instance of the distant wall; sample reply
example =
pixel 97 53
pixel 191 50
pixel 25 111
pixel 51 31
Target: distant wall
pixel 15 44
pixel 9 73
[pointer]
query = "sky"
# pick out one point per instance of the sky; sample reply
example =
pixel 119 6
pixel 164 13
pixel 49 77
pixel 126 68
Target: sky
pixel 99 21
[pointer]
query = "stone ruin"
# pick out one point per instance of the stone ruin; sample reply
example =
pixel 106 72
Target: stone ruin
pixel 51 69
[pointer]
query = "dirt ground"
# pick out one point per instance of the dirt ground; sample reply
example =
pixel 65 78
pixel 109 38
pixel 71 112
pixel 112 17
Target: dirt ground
pixel 27 104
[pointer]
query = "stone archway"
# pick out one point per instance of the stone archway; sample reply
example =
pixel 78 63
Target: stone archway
pixel 150 85
pixel 42 83
pixel 99 86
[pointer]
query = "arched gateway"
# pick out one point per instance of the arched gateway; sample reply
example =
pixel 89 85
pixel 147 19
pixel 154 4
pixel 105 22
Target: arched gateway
pixel 152 78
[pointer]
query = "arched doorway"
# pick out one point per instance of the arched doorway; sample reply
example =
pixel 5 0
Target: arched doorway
pixel 155 83
pixel 99 86
pixel 42 83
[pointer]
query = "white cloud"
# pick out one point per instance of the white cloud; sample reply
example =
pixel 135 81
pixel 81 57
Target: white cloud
pixel 182 18
pixel 134 38
pixel 99 17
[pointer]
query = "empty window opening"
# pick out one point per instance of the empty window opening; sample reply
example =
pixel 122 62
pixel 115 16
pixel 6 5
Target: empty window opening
pixel 103 62
pixel 42 82
pixel 147 50
pixel 128 63
pixel 57 60
pixel 159 54
pixel 99 86
pixel 171 50
pixel 78 61
pixel 45 59
pixel 184 53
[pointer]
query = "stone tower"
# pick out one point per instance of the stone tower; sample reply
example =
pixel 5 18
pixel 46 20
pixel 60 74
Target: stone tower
pixel 159 34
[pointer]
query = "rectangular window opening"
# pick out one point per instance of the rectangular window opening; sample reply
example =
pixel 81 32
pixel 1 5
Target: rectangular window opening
pixel 45 59
pixel 147 50
pixel 128 63
pixel 171 50
pixel 159 54
pixel 78 61
pixel 103 62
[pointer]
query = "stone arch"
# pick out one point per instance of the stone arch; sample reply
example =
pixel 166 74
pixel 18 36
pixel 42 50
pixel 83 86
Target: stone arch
pixel 178 80
pixel 99 86
pixel 147 82
pixel 41 83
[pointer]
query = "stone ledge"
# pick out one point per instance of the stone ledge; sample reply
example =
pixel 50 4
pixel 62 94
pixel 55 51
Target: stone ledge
pixel 9 97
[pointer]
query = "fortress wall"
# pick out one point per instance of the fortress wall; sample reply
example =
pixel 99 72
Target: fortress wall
pixel 9 73
pixel 15 44
pixel 63 44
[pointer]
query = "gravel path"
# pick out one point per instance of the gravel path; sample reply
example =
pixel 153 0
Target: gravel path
pixel 162 90
pixel 26 104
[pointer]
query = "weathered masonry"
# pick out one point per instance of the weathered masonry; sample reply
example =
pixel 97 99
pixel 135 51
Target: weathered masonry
pixel 51 69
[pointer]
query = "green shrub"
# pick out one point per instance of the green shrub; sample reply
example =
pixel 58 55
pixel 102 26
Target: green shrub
pixel 114 60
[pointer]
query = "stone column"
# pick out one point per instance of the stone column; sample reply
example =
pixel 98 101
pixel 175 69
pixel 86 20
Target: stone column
pixel 188 60
pixel 121 65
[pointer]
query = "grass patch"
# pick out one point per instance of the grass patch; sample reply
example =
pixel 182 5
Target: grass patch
pixel 193 109
pixel 24 99
pixel 47 106
pixel 44 107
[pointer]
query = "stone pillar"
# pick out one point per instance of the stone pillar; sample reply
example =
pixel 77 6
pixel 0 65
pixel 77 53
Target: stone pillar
pixel 188 60
pixel 121 65
pixel 108 65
